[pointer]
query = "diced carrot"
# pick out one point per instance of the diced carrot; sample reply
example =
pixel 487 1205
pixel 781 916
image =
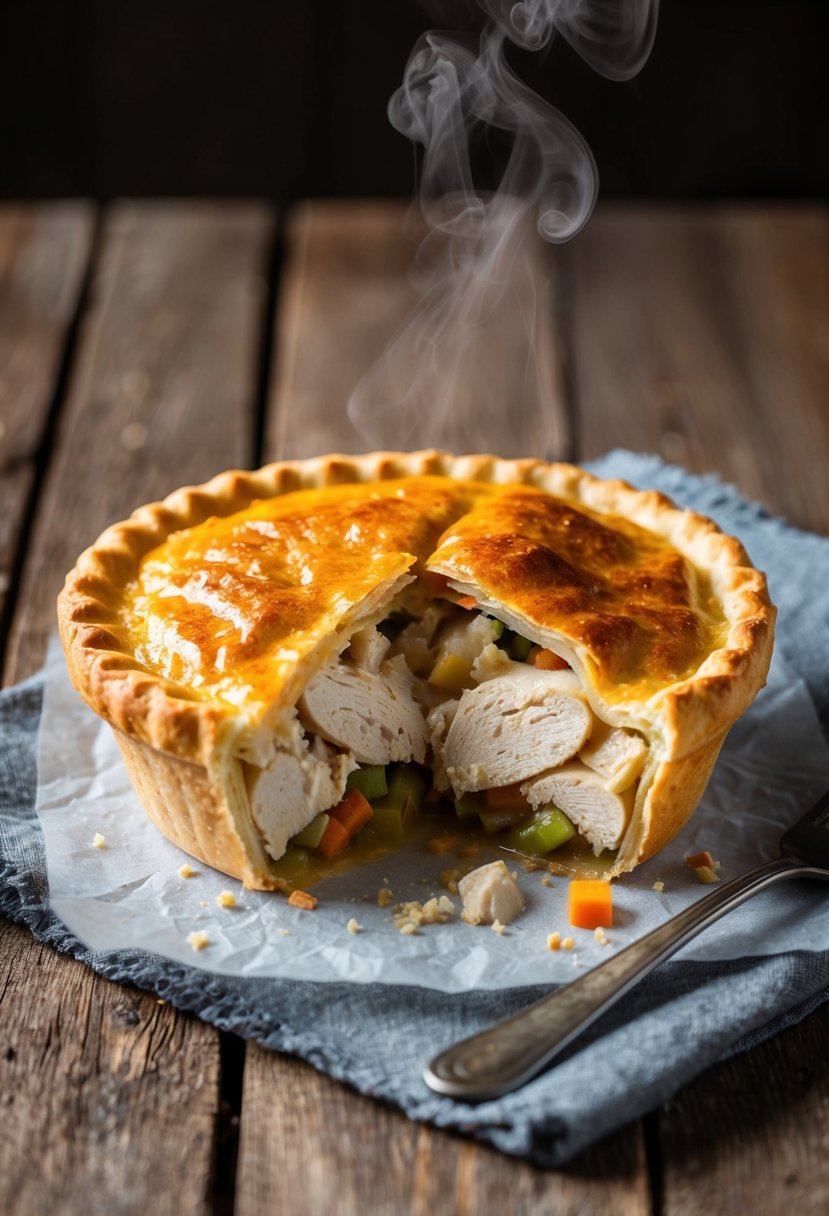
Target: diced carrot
pixel 466 601
pixel 697 860
pixel 334 839
pixel 353 812
pixel 506 798
pixel 301 899
pixel 591 904
pixel 546 660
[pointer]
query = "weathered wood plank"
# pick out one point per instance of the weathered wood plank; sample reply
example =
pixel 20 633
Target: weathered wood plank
pixel 312 1145
pixel 108 1096
pixel 163 392
pixel 752 1134
pixel 346 290
pixel 345 293
pixel 164 386
pixel 702 335
pixel 44 249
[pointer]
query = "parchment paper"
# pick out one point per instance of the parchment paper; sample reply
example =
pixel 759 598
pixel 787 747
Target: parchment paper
pixel 129 894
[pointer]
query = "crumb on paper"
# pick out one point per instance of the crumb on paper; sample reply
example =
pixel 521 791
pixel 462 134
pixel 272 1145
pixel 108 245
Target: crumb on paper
pixel 385 896
pixel 198 939
pixel 354 926
pixel 409 929
pixel 658 886
pixel 600 937
pixel 226 899
pixel 498 928
pixel 284 932
pixel 414 913
pixel 203 903
pixel 554 941
pixel 546 881
pixel 186 871
pixel 567 943
pixel 99 841
pixel 696 861
pixel 707 874
pixel 449 878
pixel 301 899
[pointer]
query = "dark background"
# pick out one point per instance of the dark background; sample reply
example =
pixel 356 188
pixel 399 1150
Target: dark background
pixel 279 99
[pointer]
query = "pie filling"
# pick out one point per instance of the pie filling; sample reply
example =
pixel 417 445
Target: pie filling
pixel 450 708
pixel 424 640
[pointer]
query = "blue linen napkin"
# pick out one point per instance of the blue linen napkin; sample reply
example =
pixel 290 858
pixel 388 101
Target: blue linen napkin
pixel 684 1017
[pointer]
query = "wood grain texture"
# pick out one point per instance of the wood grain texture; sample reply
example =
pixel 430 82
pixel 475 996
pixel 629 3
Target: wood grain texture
pixel 116 1111
pixel 108 1096
pixel 44 249
pixel 347 289
pixel 703 335
pixel 163 391
pixel 752 1135
pixel 312 1145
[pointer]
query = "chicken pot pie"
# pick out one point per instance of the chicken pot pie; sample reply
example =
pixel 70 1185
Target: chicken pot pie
pixel 285 655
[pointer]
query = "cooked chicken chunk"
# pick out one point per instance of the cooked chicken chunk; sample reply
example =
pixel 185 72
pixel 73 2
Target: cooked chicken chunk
pixel 372 715
pixel 511 727
pixel 368 648
pixel 599 814
pixel 285 796
pixel 490 893
pixel 617 755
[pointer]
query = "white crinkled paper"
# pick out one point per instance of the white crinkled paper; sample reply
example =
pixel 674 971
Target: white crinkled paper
pixel 130 894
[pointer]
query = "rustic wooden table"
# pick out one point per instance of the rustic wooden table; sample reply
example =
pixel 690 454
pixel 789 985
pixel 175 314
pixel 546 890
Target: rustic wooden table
pixel 153 344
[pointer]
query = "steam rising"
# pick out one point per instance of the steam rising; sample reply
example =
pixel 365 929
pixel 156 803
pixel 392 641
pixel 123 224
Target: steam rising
pixel 481 282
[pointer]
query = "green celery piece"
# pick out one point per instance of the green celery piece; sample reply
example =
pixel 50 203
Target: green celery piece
pixel 504 640
pixel 370 780
pixel 292 862
pixel 519 648
pixel 311 835
pixel 407 781
pixel 468 806
pixel 548 829
pixel 496 821
pixel 388 820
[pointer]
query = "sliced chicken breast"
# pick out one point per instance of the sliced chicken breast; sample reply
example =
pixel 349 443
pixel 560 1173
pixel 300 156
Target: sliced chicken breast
pixel 372 715
pixel 598 813
pixel 510 728
pixel 617 755
pixel 285 796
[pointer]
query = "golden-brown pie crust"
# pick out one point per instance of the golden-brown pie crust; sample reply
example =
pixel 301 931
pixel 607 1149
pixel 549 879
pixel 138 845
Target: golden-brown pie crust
pixel 173 738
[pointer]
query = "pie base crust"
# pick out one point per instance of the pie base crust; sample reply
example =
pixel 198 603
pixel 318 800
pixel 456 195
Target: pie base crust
pixel 170 740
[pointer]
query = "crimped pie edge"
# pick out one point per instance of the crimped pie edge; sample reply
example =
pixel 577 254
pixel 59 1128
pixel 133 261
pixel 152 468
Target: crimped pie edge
pixel 695 714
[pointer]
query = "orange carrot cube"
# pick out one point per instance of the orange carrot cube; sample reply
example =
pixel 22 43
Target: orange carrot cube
pixel 591 904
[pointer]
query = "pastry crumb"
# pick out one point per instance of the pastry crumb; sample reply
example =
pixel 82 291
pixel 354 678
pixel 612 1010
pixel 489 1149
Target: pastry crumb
pixel 186 871
pixel 546 881
pixel 353 926
pixel 707 874
pixel 567 943
pixel 600 937
pixel 226 899
pixel 385 896
pixel 284 932
pixel 498 928
pixel 414 913
pixel 408 929
pixel 301 899
pixel 99 841
pixel 198 939
pixel 554 941
pixel 203 903
pixel 658 885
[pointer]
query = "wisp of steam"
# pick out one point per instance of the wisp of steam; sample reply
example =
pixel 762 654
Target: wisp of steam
pixel 481 283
